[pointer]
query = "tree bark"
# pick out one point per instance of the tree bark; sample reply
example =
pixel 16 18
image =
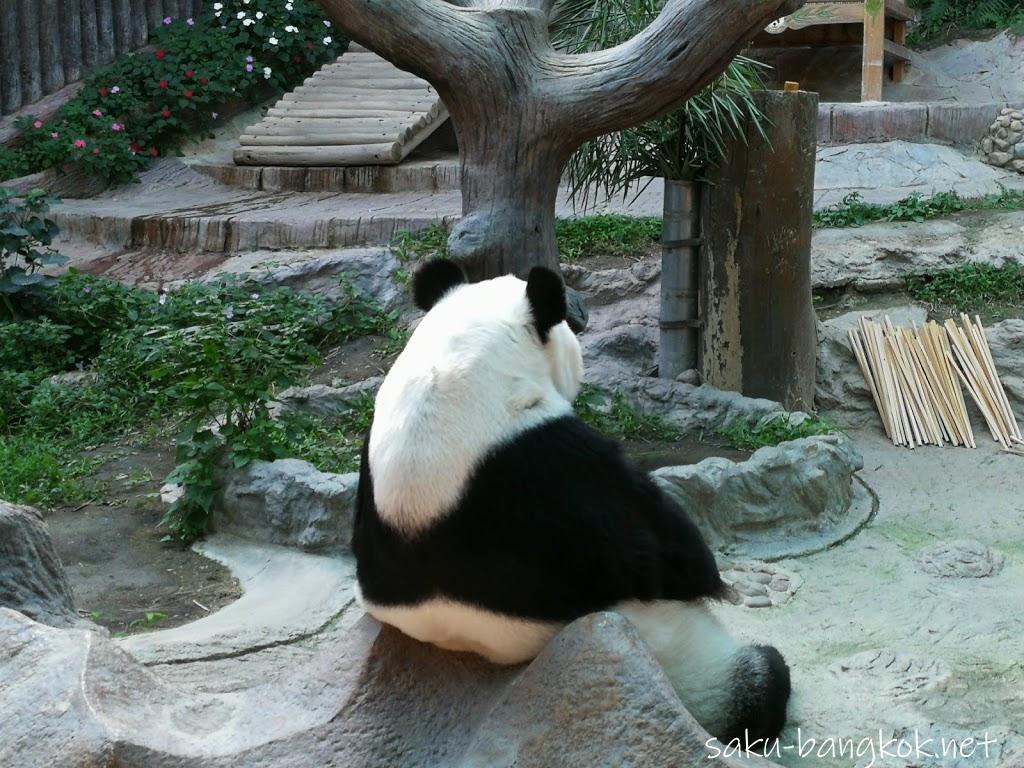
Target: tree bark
pixel 520 108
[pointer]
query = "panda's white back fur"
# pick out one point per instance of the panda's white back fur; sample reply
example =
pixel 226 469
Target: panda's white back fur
pixel 473 374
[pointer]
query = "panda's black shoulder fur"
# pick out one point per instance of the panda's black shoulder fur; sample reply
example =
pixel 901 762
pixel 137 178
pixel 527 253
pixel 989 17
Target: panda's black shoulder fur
pixel 552 525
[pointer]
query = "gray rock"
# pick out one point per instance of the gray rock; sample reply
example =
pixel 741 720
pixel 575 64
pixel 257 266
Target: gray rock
pixel 786 500
pixel 840 387
pixel 74 379
pixel 999 159
pixel 32 578
pixel 691 409
pixel 1006 339
pixel 287 502
pixel 879 256
pixel 370 697
pixel 962 559
pixel 323 400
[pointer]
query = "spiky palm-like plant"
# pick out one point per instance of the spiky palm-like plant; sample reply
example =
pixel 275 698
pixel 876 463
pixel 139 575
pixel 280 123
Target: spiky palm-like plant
pixel 677 147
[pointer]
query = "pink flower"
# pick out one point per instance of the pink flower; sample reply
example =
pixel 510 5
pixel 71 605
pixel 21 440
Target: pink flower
pixel 54 135
pixel 190 21
pixel 95 150
pixel 97 113
pixel 167 20
pixel 160 53
pixel 37 124
pixel 116 127
pixel 115 89
pixel 79 143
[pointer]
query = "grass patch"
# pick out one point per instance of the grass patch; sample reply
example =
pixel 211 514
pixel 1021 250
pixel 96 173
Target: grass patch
pixel 606 235
pixel 854 212
pixel 37 470
pixel 971 287
pixel 616 418
pixel 941 20
pixel 751 434
pixel 609 234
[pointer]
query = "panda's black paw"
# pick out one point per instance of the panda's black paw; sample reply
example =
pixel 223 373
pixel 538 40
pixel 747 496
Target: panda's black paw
pixel 761 693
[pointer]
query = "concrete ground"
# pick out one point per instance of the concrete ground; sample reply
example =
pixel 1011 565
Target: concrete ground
pixel 876 642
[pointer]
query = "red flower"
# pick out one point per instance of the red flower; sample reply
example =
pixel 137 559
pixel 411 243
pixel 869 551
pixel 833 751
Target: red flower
pixel 95 150
pixel 135 148
pixel 163 85
pixel 154 152
pixel 189 73
pixel 297 59
pixel 166 113
pixel 160 53
pixel 187 94
pixel 204 81
pixel 104 90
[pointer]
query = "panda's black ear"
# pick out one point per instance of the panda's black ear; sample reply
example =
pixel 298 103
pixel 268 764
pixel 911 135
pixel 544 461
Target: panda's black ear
pixel 433 280
pixel 546 294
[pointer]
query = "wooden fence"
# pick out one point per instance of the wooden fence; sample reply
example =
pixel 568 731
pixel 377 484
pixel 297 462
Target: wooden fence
pixel 47 44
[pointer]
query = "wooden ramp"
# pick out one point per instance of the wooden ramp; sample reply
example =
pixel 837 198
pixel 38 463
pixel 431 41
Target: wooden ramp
pixel 360 110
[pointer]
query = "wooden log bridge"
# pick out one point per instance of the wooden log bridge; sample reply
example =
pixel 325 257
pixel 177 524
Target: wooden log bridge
pixel 360 110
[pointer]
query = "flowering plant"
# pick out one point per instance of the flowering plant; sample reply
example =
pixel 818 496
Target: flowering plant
pixel 146 103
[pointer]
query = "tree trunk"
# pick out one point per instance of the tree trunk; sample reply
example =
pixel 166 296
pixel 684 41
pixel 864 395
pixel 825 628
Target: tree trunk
pixel 520 108
pixel 759 334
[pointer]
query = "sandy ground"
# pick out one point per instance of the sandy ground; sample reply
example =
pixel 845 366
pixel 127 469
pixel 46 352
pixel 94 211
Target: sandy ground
pixel 875 642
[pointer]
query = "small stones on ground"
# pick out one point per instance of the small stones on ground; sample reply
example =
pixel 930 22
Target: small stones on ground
pixel 755 584
pixel 962 559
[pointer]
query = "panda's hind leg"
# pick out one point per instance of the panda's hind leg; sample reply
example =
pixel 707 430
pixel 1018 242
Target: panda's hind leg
pixel 734 691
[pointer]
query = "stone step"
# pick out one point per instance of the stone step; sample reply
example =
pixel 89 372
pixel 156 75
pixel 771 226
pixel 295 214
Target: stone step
pixel 434 175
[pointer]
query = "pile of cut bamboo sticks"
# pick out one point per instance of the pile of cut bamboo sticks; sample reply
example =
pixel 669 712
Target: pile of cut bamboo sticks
pixel 915 377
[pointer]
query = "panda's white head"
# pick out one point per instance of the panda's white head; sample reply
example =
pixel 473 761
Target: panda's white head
pixel 488 361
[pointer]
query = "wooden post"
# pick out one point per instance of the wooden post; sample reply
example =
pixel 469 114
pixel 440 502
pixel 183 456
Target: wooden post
pixel 51 49
pixel 71 39
pixel 759 334
pixel 899 36
pixel 10 61
pixel 677 323
pixel 31 63
pixel 105 30
pixel 90 34
pixel 122 26
pixel 873 67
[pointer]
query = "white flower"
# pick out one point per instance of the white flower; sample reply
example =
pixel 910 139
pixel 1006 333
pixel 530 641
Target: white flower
pixel 266 72
pixel 327 23
pixel 328 40
pixel 272 41
pixel 290 28
pixel 217 14
pixel 259 14
pixel 241 15
pixel 248 22
pixel 245 1
pixel 289 7
pixel 218 6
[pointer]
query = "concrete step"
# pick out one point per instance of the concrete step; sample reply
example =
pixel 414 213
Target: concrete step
pixel 432 175
pixel 176 209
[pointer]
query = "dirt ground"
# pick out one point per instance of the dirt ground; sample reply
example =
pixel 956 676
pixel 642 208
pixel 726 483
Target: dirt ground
pixel 111 548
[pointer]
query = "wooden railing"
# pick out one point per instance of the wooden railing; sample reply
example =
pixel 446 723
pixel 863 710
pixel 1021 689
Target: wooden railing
pixel 47 44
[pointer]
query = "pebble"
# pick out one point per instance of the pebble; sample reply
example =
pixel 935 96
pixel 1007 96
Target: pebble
pixel 761 601
pixel 779 585
pixel 748 589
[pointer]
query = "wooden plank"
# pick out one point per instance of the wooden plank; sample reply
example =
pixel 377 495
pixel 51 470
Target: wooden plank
pixel 105 49
pixel 874 51
pixel 140 24
pixel 351 112
pixel 303 125
pixel 348 139
pixel 895 53
pixel 895 49
pixel 154 13
pixel 90 35
pixel 815 14
pixel 122 21
pixel 50 45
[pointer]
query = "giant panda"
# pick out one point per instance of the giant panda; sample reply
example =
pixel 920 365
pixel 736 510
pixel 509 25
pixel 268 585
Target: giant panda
pixel 489 516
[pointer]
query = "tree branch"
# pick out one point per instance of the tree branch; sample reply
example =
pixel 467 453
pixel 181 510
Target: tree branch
pixel 426 37
pixel 687 46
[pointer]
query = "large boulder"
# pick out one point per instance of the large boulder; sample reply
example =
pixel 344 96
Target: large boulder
pixel 786 500
pixel 1006 339
pixel 32 578
pixel 287 502
pixel 369 697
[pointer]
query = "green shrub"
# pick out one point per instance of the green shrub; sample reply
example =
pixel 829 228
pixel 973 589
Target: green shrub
pixel 615 417
pixel 751 434
pixel 606 235
pixel 25 238
pixel 852 211
pixel 971 287
pixel 939 19
pixel 145 104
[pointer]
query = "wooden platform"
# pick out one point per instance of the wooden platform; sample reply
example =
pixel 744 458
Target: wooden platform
pixel 879 26
pixel 359 110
